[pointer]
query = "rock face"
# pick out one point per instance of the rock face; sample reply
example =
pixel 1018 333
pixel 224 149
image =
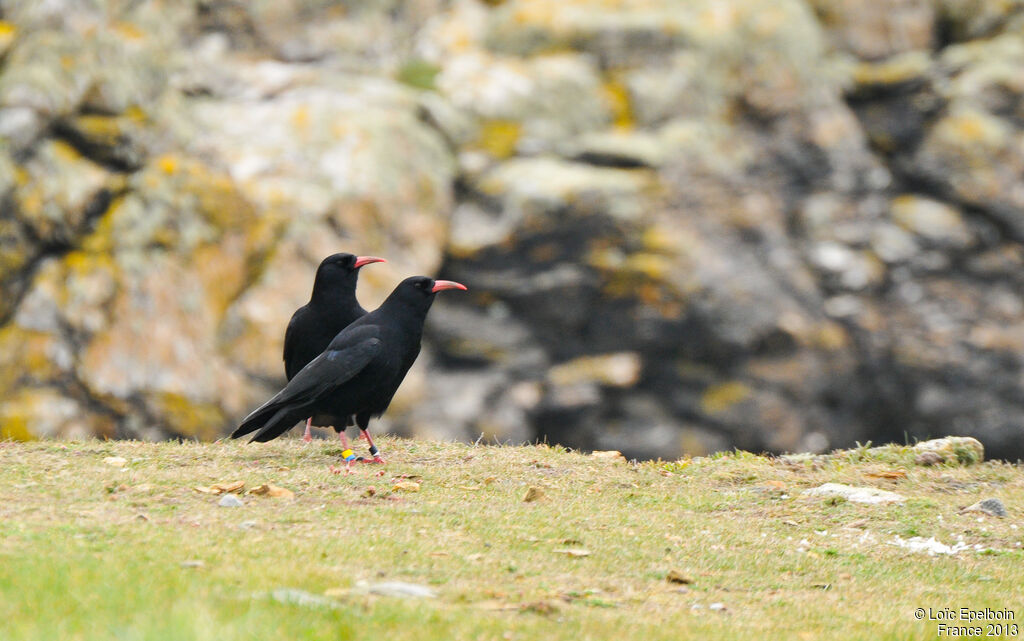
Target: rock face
pixel 769 224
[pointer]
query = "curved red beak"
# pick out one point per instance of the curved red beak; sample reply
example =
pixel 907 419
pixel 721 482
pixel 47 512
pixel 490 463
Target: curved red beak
pixel 366 260
pixel 440 285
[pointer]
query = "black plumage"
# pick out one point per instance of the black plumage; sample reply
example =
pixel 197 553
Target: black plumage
pixel 331 308
pixel 361 369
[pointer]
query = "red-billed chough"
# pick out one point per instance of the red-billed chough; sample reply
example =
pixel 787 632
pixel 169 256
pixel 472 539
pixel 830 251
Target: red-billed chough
pixel 361 369
pixel 331 308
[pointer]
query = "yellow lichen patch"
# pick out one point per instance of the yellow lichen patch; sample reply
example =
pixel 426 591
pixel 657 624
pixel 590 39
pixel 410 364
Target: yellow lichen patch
pixel 300 118
pixel 21 176
pixel 895 70
pixel 83 262
pixel 653 267
pixel 8 32
pixel 971 127
pixel 136 114
pixel 187 418
pixel 128 31
pixel 617 370
pixel 31 202
pixel 830 336
pixel 26 355
pixel 168 163
pixel 102 130
pixel 65 152
pixel 721 397
pixel 223 272
pixel 220 201
pixel 659 239
pixel 13 255
pixel 101 240
pixel 90 282
pixel 500 137
pixel 617 96
pixel 14 427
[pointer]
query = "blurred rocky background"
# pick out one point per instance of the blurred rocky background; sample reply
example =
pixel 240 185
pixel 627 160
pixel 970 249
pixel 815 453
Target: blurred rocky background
pixel 769 224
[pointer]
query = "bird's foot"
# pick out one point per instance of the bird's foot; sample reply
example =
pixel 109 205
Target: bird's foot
pixel 375 459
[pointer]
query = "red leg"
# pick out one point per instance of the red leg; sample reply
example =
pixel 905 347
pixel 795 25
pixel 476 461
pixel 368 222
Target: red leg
pixel 374 452
pixel 344 439
pixel 307 437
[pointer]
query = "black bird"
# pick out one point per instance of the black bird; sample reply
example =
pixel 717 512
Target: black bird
pixel 361 369
pixel 331 308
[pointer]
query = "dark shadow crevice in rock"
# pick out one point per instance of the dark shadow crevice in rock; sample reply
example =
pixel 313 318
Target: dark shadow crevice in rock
pixel 117 157
pixel 57 247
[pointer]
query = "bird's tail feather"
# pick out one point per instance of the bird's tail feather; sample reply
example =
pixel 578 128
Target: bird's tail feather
pixel 262 417
pixel 285 418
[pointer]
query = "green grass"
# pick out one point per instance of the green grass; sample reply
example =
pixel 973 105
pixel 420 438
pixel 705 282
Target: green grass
pixel 89 550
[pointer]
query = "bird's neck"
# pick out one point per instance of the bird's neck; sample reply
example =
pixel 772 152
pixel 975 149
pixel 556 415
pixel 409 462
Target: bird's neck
pixel 332 293
pixel 410 315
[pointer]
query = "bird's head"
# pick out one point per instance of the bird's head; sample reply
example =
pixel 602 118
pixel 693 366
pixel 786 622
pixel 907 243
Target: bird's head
pixel 419 291
pixel 340 271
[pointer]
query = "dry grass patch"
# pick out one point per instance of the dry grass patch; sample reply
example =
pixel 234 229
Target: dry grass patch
pixel 103 540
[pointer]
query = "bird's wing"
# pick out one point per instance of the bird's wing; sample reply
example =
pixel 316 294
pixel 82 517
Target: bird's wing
pixel 335 366
pixel 346 357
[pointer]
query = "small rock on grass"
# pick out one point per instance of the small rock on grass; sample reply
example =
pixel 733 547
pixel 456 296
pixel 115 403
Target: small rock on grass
pixel 992 507
pixel 855 494
pixel 533 494
pixel 397 588
pixel 929 458
pixel 230 500
pixel 964 449
pixel 116 461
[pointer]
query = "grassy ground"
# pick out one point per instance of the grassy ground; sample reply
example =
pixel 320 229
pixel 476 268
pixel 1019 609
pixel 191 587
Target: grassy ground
pixel 95 548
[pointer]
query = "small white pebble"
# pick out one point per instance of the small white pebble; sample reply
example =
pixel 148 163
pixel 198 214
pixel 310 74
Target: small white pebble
pixel 716 606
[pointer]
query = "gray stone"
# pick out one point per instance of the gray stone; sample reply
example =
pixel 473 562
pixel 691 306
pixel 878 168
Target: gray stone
pixel 230 500
pixel 992 507
pixel 868 495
